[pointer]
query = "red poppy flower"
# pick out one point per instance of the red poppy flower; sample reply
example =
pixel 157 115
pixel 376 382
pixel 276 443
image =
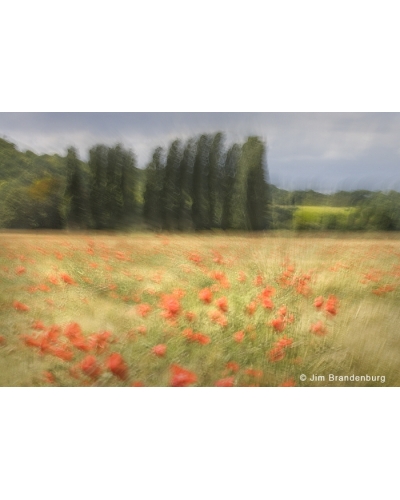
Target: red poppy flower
pixel 318 328
pixel 254 373
pixel 318 302
pixel 2 340
pixel 284 342
pixel 49 377
pixel 116 364
pixel 38 325
pixel 239 336
pixel 225 382
pixel 278 324
pixel 276 354
pixel 288 383
pixel 222 303
pixel 143 309
pixel 159 350
pixel 232 366
pixel 171 306
pixel 250 308
pixel 19 306
pixel 180 377
pixel 205 295
pixel 331 305
pixel 90 367
pixel 61 352
pixel 20 270
pixel 67 279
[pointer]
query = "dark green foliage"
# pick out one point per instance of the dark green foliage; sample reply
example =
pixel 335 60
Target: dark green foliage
pixel 75 196
pixel 227 183
pixel 152 208
pixel 170 189
pixel 199 185
pixel 98 183
pixel 184 220
pixel 213 176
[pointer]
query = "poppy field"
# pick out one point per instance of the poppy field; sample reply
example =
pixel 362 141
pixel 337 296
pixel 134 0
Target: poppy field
pixel 212 310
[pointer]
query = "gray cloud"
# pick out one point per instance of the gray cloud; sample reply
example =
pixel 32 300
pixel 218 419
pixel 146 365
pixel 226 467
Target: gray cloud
pixel 325 151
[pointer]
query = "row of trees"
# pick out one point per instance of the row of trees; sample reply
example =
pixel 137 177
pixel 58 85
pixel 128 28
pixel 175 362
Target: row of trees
pixel 200 185
pixel 101 197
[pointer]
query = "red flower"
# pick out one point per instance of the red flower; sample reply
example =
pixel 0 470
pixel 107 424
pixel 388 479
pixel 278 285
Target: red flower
pixel 254 373
pixel 278 324
pixel 239 336
pixel 318 302
pixel 49 377
pixel 20 270
pixel 267 303
pixel 232 366
pixel 250 308
pixel 180 377
pixel 99 341
pixel 205 295
pixel 60 352
pixel 38 325
pixel 159 350
pixel 90 367
pixel 331 305
pixel 2 340
pixel 195 257
pixel 137 383
pixel 225 382
pixel 284 342
pixel 276 354
pixel 318 328
pixel 171 306
pixel 143 309
pixel 19 306
pixel 222 303
pixel 288 383
pixel 117 366
pixel 67 279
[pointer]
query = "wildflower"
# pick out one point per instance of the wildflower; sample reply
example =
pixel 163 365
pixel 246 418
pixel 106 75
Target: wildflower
pixel 258 281
pixel 2 340
pixel 67 279
pixel 143 309
pixel 267 303
pixel 60 352
pixel 137 383
pixel 90 367
pixel 318 328
pixel 117 366
pixel 331 304
pixel 205 295
pixel 19 306
pixel 250 308
pixel 284 342
pixel 99 341
pixel 195 257
pixel 318 302
pixel 288 383
pixel 239 336
pixel 38 325
pixel 222 303
pixel 278 324
pixel 276 354
pixel 49 377
pixel 180 377
pixel 232 366
pixel 159 350
pixel 225 382
pixel 20 270
pixel 171 306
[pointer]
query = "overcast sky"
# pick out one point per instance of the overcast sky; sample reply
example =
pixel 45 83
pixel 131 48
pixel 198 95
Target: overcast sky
pixel 321 151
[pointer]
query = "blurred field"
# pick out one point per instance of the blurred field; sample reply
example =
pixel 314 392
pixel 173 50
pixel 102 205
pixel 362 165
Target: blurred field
pixel 100 309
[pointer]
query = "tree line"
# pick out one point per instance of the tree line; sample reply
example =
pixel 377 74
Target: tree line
pixel 197 184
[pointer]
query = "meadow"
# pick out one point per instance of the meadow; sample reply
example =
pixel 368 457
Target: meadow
pixel 152 310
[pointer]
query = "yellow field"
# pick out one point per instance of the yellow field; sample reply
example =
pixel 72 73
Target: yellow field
pixel 100 309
